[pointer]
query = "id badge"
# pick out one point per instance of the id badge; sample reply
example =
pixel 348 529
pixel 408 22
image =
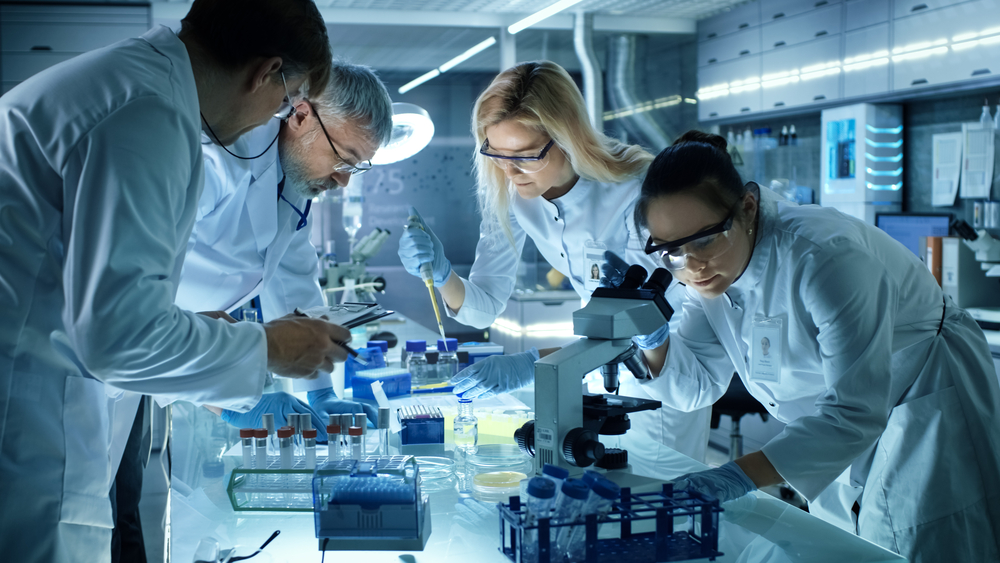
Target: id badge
pixel 593 263
pixel 765 350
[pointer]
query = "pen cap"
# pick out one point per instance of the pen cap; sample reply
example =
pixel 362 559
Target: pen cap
pixel 305 420
pixel 267 421
pixel 383 417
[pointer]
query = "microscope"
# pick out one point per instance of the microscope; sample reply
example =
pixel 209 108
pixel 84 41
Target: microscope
pixel 353 277
pixel 568 420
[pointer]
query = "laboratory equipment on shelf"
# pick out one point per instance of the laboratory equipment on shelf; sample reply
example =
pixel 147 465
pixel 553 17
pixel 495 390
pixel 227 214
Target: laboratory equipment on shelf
pixel 364 283
pixel 375 503
pixel 566 426
pixel 466 427
pixel 696 538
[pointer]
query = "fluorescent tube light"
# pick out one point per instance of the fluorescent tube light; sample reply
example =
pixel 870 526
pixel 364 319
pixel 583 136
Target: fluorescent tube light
pixel 418 81
pixel 467 55
pixel 541 15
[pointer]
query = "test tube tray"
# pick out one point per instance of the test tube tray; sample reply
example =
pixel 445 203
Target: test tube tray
pixel 272 489
pixel 701 541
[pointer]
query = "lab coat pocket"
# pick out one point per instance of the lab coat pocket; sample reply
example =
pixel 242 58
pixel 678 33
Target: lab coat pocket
pixel 930 469
pixel 87 474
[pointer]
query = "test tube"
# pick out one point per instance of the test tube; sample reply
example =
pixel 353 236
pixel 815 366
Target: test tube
pixel 267 421
pixel 356 449
pixel 361 421
pixel 309 444
pixel 285 445
pixel 346 422
pixel 293 421
pixel 260 440
pixel 383 431
pixel 246 438
pixel 333 439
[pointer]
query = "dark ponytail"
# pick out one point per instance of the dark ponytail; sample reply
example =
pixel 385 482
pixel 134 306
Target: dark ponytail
pixel 697 162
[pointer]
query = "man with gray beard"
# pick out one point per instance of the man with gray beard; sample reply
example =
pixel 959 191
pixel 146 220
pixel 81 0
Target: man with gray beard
pixel 251 239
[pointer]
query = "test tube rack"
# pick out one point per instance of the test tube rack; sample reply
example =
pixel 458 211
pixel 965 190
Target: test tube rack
pixel 372 504
pixel 698 540
pixel 272 489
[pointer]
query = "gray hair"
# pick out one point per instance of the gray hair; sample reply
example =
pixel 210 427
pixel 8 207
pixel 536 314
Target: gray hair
pixel 356 94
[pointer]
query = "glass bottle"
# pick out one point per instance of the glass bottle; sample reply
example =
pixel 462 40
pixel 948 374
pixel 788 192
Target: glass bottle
pixel 447 365
pixel 466 427
pixel 416 361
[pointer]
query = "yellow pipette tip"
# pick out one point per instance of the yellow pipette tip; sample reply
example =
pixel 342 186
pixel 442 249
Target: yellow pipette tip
pixel 437 312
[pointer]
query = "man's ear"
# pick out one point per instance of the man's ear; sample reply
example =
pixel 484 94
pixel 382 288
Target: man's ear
pixel 263 72
pixel 296 123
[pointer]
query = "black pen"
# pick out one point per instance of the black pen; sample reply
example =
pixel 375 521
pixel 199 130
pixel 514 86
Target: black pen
pixel 351 351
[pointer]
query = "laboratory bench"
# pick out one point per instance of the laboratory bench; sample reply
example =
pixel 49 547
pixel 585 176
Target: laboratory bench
pixel 463 529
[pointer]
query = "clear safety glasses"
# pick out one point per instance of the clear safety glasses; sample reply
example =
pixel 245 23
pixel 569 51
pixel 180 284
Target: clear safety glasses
pixel 344 167
pixel 286 109
pixel 525 164
pixel 703 246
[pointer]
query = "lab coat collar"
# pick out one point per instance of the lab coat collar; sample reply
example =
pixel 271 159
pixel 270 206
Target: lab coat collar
pixel 768 205
pixel 576 194
pixel 165 41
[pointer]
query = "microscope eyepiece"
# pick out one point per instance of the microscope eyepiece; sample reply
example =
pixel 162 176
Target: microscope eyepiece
pixel 659 281
pixel 634 277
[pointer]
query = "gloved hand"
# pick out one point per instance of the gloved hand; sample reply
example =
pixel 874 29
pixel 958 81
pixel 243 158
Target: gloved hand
pixel 325 402
pixel 280 405
pixel 613 270
pixel 724 483
pixel 419 245
pixel 495 374
pixel 654 340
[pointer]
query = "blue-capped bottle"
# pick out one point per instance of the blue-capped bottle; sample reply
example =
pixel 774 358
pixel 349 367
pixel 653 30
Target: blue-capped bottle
pixel 466 427
pixel 416 361
pixel 541 494
pixel 447 365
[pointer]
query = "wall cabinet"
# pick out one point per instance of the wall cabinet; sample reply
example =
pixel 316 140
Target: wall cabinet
pixel 870 76
pixel 818 85
pixel 789 31
pixel 742 99
pixel 730 47
pixel 773 10
pixel 736 19
pixel 863 13
pixel 34 37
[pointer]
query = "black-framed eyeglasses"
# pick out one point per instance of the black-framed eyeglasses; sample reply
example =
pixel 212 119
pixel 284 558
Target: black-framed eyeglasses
pixel 343 167
pixel 526 164
pixel 286 109
pixel 703 246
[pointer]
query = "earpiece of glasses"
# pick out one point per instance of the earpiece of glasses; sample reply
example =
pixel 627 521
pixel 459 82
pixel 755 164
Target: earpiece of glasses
pixel 286 109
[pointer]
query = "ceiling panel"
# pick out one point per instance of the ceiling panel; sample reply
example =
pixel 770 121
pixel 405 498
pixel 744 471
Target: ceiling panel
pixel 695 9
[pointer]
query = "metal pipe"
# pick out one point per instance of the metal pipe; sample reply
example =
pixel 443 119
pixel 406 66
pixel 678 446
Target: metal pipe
pixel 623 58
pixel 593 81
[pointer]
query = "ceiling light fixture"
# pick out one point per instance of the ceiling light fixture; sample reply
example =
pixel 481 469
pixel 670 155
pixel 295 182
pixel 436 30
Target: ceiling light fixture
pixel 448 65
pixel 541 15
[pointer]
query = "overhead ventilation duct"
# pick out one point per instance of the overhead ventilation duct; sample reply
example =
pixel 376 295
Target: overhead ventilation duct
pixel 627 89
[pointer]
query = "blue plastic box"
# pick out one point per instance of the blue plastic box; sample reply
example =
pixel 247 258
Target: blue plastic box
pixel 395 382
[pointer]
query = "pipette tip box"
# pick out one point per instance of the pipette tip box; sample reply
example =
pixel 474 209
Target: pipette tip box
pixel 420 425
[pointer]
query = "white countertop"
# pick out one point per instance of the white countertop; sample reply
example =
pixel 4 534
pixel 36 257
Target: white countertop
pixel 200 507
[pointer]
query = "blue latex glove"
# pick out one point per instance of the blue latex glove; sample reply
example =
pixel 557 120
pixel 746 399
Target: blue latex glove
pixel 724 483
pixel 654 340
pixel 325 402
pixel 280 405
pixel 495 374
pixel 419 245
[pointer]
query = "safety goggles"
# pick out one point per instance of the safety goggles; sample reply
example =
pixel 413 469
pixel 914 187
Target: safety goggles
pixel 286 109
pixel 344 167
pixel 703 246
pixel 525 164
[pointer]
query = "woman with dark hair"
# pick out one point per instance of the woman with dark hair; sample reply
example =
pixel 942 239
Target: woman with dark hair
pixel 883 382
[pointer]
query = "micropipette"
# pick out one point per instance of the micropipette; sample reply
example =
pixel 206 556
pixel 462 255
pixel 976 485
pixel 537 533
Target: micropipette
pixel 427 274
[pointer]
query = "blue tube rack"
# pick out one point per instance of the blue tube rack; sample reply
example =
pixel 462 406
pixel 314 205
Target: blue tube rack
pixel 665 544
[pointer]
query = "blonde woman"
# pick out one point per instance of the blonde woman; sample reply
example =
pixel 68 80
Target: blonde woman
pixel 544 172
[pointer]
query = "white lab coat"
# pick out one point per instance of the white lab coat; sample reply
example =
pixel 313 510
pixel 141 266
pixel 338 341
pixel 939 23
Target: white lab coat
pixel 245 243
pixel 591 211
pixel 100 173
pixel 866 381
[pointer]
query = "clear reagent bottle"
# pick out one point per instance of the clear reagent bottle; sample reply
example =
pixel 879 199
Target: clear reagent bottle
pixel 416 361
pixel 447 365
pixel 333 440
pixel 346 422
pixel 466 427
pixel 267 421
pixel 309 443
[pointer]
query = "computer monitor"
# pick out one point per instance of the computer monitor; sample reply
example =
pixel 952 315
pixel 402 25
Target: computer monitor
pixel 907 228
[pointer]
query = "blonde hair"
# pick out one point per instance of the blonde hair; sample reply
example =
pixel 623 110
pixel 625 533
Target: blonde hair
pixel 542 96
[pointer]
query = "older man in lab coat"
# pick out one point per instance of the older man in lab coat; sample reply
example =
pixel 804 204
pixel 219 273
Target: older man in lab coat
pixel 251 236
pixel 100 177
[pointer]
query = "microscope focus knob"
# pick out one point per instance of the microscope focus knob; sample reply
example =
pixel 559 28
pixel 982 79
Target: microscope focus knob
pixel 582 448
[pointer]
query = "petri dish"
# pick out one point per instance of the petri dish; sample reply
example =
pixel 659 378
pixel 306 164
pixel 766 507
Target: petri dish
pixel 432 467
pixel 497 486
pixel 498 455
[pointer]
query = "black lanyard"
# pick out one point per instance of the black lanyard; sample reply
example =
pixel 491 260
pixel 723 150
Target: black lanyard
pixel 302 215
